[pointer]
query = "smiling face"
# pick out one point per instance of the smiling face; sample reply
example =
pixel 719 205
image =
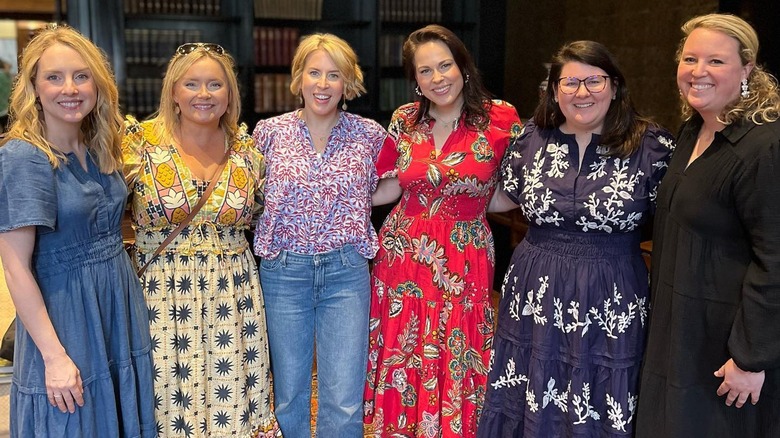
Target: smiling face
pixel 710 71
pixel 322 84
pixel 584 110
pixel 438 76
pixel 65 86
pixel 202 93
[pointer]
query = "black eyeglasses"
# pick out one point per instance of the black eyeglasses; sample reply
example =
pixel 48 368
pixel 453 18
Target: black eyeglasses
pixel 594 84
pixel 188 48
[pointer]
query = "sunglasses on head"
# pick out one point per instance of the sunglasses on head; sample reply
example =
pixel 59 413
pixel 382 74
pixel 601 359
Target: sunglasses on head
pixel 188 48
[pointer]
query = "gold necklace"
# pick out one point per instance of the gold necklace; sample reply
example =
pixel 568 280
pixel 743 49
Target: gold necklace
pixel 320 136
pixel 453 122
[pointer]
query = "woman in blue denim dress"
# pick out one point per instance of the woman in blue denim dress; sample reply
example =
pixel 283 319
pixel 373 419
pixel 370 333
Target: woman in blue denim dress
pixel 82 364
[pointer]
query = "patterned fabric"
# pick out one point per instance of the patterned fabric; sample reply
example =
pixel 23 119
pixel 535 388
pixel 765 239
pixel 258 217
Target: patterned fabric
pixel 431 315
pixel 314 203
pixel 91 294
pixel 203 292
pixel 573 311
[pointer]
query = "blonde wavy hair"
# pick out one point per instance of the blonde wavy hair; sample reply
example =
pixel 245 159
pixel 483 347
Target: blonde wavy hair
pixel 101 129
pixel 342 55
pixel 763 103
pixel 166 117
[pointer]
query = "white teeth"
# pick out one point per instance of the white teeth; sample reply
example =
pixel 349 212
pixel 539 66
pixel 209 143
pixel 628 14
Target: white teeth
pixel 582 105
pixel 321 96
pixel 70 104
pixel 701 86
pixel 442 89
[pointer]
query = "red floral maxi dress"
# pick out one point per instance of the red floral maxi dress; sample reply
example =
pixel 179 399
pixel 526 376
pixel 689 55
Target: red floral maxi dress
pixel 431 316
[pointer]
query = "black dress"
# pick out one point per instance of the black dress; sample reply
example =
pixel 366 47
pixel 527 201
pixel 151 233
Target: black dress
pixel 715 286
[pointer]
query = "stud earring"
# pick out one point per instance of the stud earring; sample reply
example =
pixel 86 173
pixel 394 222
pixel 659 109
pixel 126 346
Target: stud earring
pixel 38 105
pixel 467 79
pixel 745 93
pixel 417 90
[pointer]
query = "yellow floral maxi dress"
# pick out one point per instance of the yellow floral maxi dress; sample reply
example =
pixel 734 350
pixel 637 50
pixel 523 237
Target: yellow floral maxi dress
pixel 206 311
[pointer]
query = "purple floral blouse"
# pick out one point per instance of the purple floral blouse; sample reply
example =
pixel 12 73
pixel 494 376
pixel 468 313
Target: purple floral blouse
pixel 317 203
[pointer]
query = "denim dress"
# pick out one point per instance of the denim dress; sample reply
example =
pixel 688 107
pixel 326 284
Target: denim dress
pixel 91 293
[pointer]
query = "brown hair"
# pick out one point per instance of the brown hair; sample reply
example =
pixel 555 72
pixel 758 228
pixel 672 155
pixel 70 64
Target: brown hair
pixel 476 99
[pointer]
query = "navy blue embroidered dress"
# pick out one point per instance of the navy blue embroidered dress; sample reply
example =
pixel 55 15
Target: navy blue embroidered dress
pixel 92 295
pixel 572 316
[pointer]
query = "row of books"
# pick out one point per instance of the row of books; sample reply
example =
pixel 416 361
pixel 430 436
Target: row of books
pixel 391 50
pixel 156 46
pixel 142 96
pixel 410 10
pixel 192 7
pixel 272 93
pixel 394 92
pixel 275 46
pixel 289 9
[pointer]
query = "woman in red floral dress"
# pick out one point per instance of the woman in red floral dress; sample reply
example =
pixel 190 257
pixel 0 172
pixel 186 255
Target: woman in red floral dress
pixel 431 315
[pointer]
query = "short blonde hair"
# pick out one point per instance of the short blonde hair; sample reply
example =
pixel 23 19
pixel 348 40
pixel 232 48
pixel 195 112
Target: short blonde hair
pixel 342 55
pixel 763 103
pixel 101 129
pixel 166 115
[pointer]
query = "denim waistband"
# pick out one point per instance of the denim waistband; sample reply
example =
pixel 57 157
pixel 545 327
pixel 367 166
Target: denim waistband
pixel 336 255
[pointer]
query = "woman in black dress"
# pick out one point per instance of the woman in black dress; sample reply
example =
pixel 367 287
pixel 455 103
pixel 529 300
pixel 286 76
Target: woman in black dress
pixel 712 364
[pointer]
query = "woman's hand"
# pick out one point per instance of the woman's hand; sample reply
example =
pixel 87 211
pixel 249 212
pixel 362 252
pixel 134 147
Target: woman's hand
pixel 63 383
pixel 738 385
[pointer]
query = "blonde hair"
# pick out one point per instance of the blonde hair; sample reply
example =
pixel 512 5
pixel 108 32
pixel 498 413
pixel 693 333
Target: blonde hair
pixel 342 55
pixel 763 103
pixel 166 117
pixel 101 129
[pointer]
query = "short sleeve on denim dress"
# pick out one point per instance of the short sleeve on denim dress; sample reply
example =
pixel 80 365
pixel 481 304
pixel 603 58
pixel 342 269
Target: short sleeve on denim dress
pixel 27 189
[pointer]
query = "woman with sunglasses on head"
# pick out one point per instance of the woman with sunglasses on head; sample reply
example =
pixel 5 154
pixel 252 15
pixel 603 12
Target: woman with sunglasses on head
pixel 315 239
pixel 712 367
pixel 573 311
pixel 431 312
pixel 82 361
pixel 196 180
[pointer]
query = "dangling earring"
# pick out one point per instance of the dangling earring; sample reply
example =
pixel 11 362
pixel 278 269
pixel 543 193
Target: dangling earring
pixel 745 93
pixel 176 109
pixel 344 104
pixel 467 79
pixel 417 90
pixel 38 105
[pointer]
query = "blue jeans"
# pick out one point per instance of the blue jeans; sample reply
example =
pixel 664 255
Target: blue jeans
pixel 323 297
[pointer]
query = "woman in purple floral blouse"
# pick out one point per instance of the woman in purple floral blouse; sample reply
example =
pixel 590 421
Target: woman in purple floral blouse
pixel 315 239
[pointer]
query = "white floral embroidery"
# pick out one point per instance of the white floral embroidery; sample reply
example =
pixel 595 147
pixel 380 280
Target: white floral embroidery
pixel 530 399
pixel 574 311
pixel 534 307
pixel 668 142
pixel 610 321
pixel 615 412
pixel 597 168
pixel 537 206
pixel 582 407
pixel 610 213
pixel 509 378
pixel 510 180
pixel 551 395
pixel 560 161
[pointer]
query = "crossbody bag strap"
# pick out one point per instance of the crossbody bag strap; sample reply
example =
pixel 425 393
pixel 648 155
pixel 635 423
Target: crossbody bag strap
pixel 201 202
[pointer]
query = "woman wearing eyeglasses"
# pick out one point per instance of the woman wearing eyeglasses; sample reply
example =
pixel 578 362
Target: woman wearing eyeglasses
pixel 573 312
pixel 205 305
